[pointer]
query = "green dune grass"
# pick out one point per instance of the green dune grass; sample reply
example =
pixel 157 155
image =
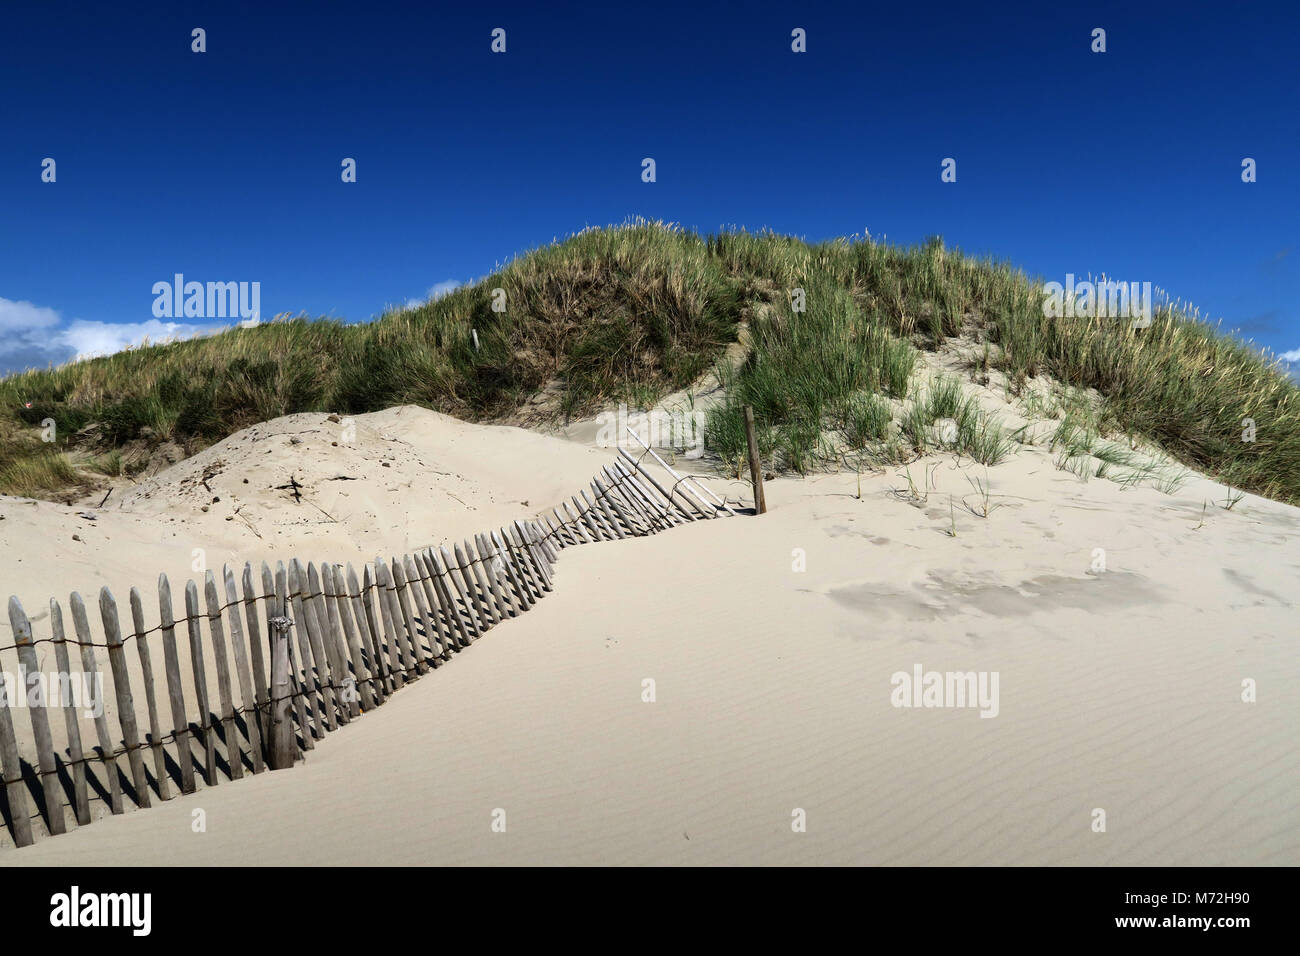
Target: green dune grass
pixel 636 311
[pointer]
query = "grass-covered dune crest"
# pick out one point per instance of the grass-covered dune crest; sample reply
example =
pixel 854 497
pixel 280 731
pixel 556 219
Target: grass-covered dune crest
pixel 636 311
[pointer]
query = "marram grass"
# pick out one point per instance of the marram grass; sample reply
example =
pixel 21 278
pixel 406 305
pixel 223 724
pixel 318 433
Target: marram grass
pixel 636 311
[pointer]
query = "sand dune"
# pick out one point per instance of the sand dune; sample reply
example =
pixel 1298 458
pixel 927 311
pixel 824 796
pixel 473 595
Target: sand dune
pixel 1119 689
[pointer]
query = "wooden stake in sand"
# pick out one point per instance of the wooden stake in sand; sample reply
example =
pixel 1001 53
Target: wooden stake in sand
pixel 247 694
pixel 309 664
pixel 277 606
pixel 207 721
pixel 80 795
pixel 175 690
pixel 336 597
pixel 15 789
pixel 450 609
pixel 755 466
pixel 279 749
pixel 125 701
pixel 150 695
pixel 225 695
pixel 88 667
pixel 370 640
pixel 255 646
pixel 31 672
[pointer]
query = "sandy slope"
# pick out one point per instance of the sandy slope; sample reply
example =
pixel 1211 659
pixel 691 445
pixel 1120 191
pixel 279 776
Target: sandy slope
pixel 1119 689
pixel 401 478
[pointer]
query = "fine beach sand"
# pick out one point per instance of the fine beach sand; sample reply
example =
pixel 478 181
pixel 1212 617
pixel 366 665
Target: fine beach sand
pixel 1118 689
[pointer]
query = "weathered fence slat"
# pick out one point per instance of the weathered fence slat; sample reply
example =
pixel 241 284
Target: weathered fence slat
pixel 624 509
pixel 12 765
pixel 650 519
pixel 548 556
pixel 561 536
pixel 394 626
pixel 607 531
pixel 332 580
pixel 528 559
pixel 573 526
pixel 618 492
pixel 685 484
pixel 426 603
pixel 665 510
pixel 391 615
pixel 490 603
pixel 598 532
pixel 654 482
pixel 501 561
pixel 482 619
pixel 150 696
pixel 438 607
pixel 549 535
pixel 328 614
pixel 490 571
pixel 175 690
pixel 279 587
pixel 459 579
pixel 280 750
pixel 349 698
pixel 539 559
pixel 217 633
pixel 369 639
pixel 413 595
pixel 318 669
pixel 256 658
pixel 564 530
pixel 207 720
pixel 30 669
pixel 622 525
pixel 460 636
pixel 373 596
pixel 520 584
pixel 525 554
pixel 523 591
pixel 125 701
pixel 88 667
pixel 530 573
pixel 403 593
pixel 323 642
pixel 80 797
pixel 312 670
pixel 246 693
pixel 580 524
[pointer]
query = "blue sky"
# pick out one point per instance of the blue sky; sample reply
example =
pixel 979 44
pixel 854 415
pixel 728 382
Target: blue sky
pixel 225 165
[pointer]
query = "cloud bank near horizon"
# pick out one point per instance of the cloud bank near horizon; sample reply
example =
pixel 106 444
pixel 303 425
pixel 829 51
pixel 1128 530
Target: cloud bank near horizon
pixel 34 336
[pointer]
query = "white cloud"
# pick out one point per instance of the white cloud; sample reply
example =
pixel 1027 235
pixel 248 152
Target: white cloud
pixel 24 317
pixel 87 339
pixel 436 291
pixel 445 287
pixel 1292 356
pixel 33 336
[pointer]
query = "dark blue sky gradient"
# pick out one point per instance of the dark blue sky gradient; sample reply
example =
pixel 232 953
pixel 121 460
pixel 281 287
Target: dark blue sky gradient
pixel 225 165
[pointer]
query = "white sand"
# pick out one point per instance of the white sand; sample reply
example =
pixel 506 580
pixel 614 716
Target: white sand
pixel 1119 690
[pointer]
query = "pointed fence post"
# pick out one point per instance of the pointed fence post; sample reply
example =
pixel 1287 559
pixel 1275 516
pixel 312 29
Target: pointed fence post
pixel 280 749
pixel 755 466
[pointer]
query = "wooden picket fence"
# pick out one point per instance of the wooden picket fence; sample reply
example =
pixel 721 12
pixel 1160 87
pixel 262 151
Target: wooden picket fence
pixel 337 644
